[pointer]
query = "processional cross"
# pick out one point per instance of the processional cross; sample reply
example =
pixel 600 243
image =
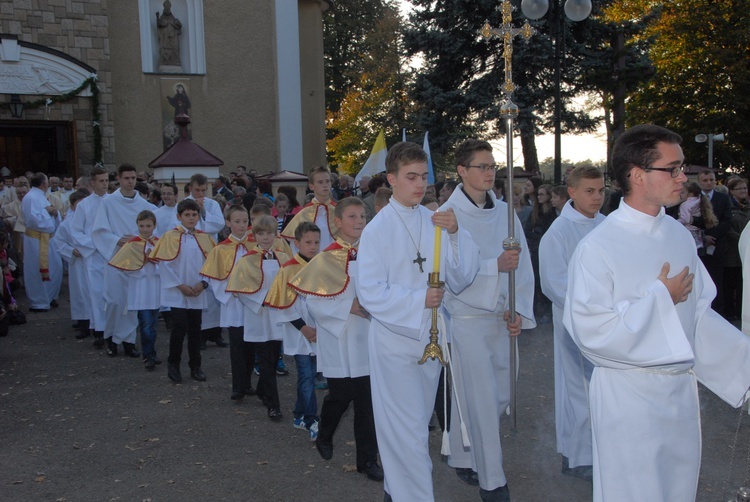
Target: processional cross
pixel 509 111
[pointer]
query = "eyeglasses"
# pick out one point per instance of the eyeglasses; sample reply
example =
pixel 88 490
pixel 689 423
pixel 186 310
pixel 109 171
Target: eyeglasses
pixel 673 171
pixel 486 167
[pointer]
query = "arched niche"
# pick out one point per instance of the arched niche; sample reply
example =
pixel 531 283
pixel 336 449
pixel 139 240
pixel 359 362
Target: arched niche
pixel 192 40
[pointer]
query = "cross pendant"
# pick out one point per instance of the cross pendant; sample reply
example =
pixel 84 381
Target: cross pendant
pixel 419 261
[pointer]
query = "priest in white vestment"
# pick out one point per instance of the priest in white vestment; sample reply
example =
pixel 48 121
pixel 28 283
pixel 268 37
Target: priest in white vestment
pixel 43 269
pixel 480 341
pixel 115 224
pixel 579 216
pixel 639 307
pixel 166 215
pixel 396 254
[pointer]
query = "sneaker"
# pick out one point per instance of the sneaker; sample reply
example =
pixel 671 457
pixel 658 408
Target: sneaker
pixel 299 423
pixel 281 368
pixel 314 431
pixel 256 370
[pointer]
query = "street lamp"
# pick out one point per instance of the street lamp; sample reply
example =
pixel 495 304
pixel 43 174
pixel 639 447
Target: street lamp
pixel 702 138
pixel 15 106
pixel 576 10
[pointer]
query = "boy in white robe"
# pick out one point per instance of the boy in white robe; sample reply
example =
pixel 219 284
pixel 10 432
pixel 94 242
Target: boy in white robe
pixel 80 305
pixel 480 324
pixel 144 286
pixel 579 216
pixel 82 225
pixel 115 224
pixel 639 307
pixel 42 271
pixel 329 283
pixel 319 210
pixel 396 253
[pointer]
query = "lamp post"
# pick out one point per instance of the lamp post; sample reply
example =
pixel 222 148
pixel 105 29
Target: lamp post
pixel 15 106
pixel 576 10
pixel 702 138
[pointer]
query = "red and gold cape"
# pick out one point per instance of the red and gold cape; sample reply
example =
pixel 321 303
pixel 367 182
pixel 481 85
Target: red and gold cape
pixel 281 296
pixel 168 246
pixel 132 256
pixel 220 260
pixel 247 275
pixel 309 213
pixel 328 273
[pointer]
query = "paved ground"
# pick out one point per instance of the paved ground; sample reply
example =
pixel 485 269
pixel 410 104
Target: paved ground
pixel 78 425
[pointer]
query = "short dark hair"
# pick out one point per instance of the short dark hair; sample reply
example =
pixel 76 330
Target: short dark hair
pixel 126 168
pixel 146 215
pixel 199 179
pixel 78 195
pixel 303 228
pixel 345 203
pixel 37 180
pixel 637 147
pixel 188 205
pixel 96 172
pixel 466 150
pixel 142 187
pixel 402 153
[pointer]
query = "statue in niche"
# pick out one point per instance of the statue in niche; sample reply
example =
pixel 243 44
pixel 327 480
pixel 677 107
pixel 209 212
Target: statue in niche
pixel 169 30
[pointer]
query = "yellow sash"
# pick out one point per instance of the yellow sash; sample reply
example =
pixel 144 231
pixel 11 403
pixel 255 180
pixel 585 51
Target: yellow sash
pixel 281 296
pixel 168 247
pixel 43 251
pixel 328 273
pixel 132 256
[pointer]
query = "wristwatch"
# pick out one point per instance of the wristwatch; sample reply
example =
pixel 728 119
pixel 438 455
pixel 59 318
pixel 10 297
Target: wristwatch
pixel 205 284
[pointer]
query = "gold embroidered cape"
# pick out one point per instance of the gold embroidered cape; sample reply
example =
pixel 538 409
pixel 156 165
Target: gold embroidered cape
pixel 328 273
pixel 281 296
pixel 247 275
pixel 309 213
pixel 132 256
pixel 168 246
pixel 220 260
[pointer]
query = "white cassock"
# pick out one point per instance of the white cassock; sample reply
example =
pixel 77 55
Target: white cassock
pixel 166 219
pixel 648 352
pixel 342 336
pixel 144 285
pixel 117 217
pixel 80 304
pixel 257 320
pixel 294 342
pixel 480 346
pixel 393 290
pixel 572 370
pixel 184 269
pixel 40 293
pixel 212 222
pixel 82 224
pixel 232 312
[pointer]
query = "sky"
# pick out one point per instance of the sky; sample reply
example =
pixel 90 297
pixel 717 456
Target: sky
pixel 574 148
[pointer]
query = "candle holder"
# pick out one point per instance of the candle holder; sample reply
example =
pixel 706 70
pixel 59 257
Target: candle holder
pixel 433 349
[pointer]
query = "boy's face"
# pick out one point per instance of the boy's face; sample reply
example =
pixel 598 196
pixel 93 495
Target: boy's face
pixel 588 196
pixel 475 178
pixel 321 186
pixel 146 227
pixel 265 239
pixel 189 218
pixel 409 183
pixel 309 244
pixel 100 183
pixel 351 223
pixel 237 223
pixel 127 180
pixel 282 207
pixel 198 191
pixel 167 196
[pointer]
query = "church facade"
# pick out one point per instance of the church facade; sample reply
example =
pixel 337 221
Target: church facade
pixel 87 81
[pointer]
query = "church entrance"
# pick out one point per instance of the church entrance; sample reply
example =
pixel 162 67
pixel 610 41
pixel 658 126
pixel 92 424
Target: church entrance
pixel 46 146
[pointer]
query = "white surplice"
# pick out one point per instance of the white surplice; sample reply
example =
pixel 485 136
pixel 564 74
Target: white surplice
pixel 572 370
pixel 211 222
pixel 257 322
pixel 232 312
pixel 115 218
pixel 40 293
pixel 144 285
pixel 82 225
pixel 648 352
pixel 393 290
pixel 480 346
pixel 183 269
pixel 744 246
pixel 166 219
pixel 80 305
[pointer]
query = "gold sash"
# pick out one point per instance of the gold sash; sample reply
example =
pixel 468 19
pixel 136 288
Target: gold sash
pixel 247 275
pixel 43 251
pixel 328 273
pixel 220 261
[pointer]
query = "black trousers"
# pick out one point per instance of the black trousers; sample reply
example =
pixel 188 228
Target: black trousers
pixel 241 358
pixel 268 354
pixel 341 392
pixel 185 322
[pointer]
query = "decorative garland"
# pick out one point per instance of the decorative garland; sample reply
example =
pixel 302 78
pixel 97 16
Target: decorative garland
pixel 89 83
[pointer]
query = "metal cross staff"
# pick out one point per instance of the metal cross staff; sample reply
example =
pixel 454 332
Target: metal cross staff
pixel 509 111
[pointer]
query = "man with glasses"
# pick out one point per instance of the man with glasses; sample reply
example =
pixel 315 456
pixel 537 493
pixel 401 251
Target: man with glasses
pixel 638 307
pixel 479 323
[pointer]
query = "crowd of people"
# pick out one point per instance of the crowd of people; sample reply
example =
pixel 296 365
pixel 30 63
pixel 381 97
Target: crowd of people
pixel 339 283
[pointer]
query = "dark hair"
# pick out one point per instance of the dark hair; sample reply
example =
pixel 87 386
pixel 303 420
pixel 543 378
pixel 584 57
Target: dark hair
pixel 466 150
pixel 126 168
pixel 199 179
pixel 142 187
pixel 264 186
pixel 638 147
pixel 376 182
pixel 347 202
pixel 96 172
pixel 37 180
pixel 291 194
pixel 78 195
pixel 305 227
pixel 188 205
pixel 146 215
pixel 169 185
pixel 402 153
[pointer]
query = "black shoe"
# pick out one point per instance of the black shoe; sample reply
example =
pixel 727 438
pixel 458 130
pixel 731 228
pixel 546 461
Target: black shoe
pixel 157 361
pixel 500 494
pixel 173 372
pixel 83 334
pixel 54 304
pixel 325 449
pixel 237 395
pixel 150 364
pixel 111 347
pixel 38 310
pixel 468 475
pixel 250 391
pixel 198 375
pixel 203 345
pixel 98 340
pixel 220 342
pixel 275 414
pixel 372 470
pixel 584 472
pixel 130 350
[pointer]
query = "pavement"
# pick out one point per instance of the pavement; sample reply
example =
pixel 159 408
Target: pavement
pixel 76 424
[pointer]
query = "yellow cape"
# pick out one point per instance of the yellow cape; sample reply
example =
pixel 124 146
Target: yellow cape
pixel 220 260
pixel 309 213
pixel 328 273
pixel 247 275
pixel 281 296
pixel 168 246
pixel 132 256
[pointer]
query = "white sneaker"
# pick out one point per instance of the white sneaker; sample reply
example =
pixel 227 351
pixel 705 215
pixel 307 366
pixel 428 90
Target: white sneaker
pixel 299 423
pixel 314 431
